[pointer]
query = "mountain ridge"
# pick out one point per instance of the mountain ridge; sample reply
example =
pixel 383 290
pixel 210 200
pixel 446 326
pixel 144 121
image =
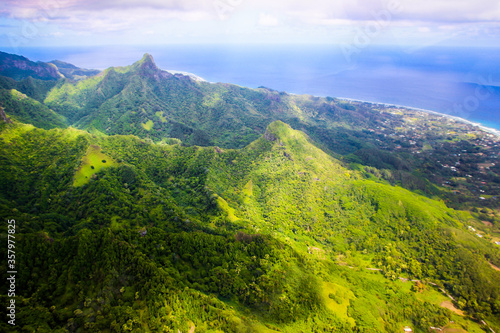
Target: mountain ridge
pixel 19 67
pixel 298 211
pixel 174 203
pixel 152 104
pixel 9 63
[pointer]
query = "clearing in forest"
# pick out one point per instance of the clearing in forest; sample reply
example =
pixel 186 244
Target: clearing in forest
pixel 148 125
pixel 449 305
pixel 93 161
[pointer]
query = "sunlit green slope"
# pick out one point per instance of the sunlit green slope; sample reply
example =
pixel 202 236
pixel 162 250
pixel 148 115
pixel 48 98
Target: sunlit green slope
pixel 28 110
pixel 413 149
pixel 143 100
pixel 277 236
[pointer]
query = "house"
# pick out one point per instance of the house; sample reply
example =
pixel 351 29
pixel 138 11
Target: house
pixel 407 329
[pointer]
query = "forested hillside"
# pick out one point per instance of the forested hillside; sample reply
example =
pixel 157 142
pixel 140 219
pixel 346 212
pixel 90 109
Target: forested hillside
pixel 278 233
pixel 171 204
pixel 19 68
pixel 414 149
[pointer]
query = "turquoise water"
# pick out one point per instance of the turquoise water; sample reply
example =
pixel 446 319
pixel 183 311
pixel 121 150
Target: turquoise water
pixel 463 82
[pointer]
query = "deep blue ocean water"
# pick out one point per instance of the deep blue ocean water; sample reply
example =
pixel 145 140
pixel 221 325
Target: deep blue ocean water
pixel 463 82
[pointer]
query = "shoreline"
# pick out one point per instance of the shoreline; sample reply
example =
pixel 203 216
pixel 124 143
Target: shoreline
pixel 484 128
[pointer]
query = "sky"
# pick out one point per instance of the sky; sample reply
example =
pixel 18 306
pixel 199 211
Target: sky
pixel 352 23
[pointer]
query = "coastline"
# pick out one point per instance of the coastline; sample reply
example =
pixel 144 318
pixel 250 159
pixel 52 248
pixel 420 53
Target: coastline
pixel 462 120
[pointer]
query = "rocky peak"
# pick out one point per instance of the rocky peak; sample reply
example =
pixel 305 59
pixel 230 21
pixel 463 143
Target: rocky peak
pixel 147 62
pixel 147 68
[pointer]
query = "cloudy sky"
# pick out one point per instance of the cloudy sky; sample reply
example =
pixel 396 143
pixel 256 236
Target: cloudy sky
pixel 158 22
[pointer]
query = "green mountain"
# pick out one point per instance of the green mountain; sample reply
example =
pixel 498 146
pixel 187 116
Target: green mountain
pixel 19 67
pixel 276 236
pixel 292 214
pixel 403 146
pixel 28 110
pixel 33 88
pixel 72 72
pixel 145 101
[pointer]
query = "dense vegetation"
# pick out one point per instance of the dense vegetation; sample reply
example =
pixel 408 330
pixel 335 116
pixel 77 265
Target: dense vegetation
pixel 19 68
pixel 25 109
pixel 422 152
pixel 261 229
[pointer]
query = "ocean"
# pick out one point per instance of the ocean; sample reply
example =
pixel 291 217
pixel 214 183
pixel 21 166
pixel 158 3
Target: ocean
pixel 463 82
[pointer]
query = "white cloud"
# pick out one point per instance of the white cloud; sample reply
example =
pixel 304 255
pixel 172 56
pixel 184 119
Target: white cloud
pixel 424 10
pixel 424 29
pixel 80 14
pixel 453 11
pixel 313 20
pixel 268 20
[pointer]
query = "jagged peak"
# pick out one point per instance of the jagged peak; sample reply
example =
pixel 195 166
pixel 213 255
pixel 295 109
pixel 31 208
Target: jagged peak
pixel 147 57
pixel 146 67
pixel 147 61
